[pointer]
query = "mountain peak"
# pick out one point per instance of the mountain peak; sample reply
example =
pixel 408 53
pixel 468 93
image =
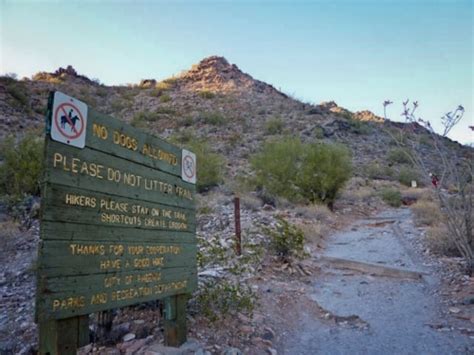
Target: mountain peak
pixel 215 73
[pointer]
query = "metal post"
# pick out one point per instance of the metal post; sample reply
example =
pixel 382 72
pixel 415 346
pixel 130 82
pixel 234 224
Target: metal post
pixel 238 244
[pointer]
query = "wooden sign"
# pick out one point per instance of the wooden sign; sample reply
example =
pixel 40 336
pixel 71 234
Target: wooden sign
pixel 118 218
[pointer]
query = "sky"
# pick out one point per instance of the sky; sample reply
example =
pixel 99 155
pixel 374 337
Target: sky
pixel 357 53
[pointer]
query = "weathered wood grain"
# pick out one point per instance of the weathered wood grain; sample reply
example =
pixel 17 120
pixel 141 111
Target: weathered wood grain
pixel 89 287
pixel 108 146
pixel 135 180
pixel 117 226
pixel 157 216
pixel 74 232
pixel 63 258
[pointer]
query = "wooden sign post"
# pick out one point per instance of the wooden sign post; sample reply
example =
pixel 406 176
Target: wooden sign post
pixel 117 225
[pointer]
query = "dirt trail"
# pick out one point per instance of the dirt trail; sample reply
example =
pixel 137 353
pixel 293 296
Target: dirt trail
pixel 366 314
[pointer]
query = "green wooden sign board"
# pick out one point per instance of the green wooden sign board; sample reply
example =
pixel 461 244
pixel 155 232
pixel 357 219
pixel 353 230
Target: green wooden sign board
pixel 117 226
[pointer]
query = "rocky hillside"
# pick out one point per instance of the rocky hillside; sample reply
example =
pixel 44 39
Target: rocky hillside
pixel 216 100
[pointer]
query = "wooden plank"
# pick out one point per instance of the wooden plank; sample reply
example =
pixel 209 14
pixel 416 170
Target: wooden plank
pixel 118 227
pixel 58 337
pixel 64 297
pixel 67 204
pixel 61 258
pixel 74 232
pixel 96 171
pixel 115 137
pixel 373 269
pixel 175 320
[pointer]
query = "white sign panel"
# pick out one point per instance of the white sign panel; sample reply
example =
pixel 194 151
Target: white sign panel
pixel 69 120
pixel 188 166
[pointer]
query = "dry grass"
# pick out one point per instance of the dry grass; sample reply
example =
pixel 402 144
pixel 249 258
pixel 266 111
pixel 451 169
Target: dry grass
pixel 427 213
pixel 314 212
pixel 9 231
pixel 439 242
pixel 250 202
pixel 314 231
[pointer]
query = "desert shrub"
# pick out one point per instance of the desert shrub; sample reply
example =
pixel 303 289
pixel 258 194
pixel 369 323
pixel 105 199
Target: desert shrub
pixel 360 127
pixel 325 169
pixel 118 105
pixel 406 175
pixel 219 298
pixel 165 98
pixel 287 240
pixel 141 119
pixel 16 89
pixel 399 156
pixel 439 242
pixel 297 171
pixel 186 121
pixel 274 125
pixel 21 165
pixel 392 197
pixel 214 118
pixel 318 132
pixel 426 212
pixel 276 167
pixel 163 86
pixel 206 94
pixel 378 171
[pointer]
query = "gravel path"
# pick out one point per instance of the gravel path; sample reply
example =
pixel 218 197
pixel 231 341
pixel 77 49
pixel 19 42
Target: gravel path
pixel 372 314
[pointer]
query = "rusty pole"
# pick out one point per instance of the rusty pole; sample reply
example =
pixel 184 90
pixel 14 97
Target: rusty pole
pixel 238 244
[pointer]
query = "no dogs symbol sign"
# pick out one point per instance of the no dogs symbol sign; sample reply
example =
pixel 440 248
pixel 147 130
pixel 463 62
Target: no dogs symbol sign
pixel 188 166
pixel 69 120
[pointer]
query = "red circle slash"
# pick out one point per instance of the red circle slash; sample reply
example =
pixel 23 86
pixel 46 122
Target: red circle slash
pixel 57 113
pixel 188 166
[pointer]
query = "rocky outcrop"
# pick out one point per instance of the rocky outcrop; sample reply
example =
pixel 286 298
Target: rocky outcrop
pixel 216 74
pixel 62 74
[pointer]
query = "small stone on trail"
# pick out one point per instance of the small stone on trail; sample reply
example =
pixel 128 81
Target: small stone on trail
pixel 272 351
pixel 128 337
pixel 232 351
pixel 454 310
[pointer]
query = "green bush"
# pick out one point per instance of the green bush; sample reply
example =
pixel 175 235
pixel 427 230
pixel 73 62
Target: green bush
pixel 297 171
pixel 399 156
pixel 360 127
pixel 21 165
pixel 325 169
pixel 407 174
pixel 392 197
pixel 287 240
pixel 377 171
pixel 274 126
pixel 220 298
pixel 141 119
pixel 165 98
pixel 17 90
pixel 206 94
pixel 214 118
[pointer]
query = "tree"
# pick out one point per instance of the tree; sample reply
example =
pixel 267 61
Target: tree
pixel 453 171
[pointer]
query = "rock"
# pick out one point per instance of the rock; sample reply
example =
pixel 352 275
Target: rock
pixel 128 337
pixel 231 351
pixel 272 351
pixel 454 310
pixel 268 334
pixel 243 318
pixel 135 346
pixel 191 346
pixel 246 329
pixel 158 349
